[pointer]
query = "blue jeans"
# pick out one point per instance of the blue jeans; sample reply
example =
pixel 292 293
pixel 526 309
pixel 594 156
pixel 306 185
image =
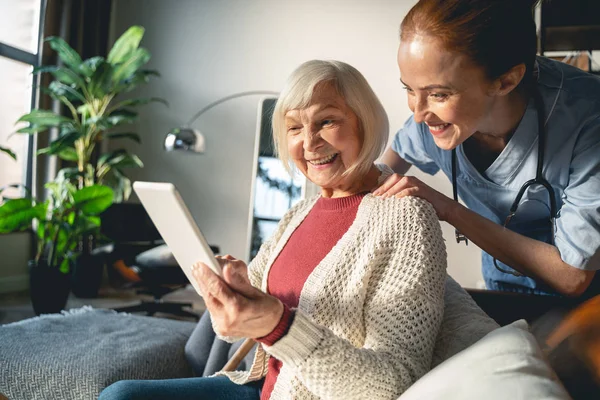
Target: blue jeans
pixel 214 388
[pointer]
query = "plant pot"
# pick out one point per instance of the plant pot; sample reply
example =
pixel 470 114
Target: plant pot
pixel 48 286
pixel 87 276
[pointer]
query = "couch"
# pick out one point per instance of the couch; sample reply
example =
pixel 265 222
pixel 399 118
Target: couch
pixel 76 355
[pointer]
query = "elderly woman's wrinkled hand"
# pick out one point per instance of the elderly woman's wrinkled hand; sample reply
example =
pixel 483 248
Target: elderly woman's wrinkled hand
pixel 237 308
pixel 402 186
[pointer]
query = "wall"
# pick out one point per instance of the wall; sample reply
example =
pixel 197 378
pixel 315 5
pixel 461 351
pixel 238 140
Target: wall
pixel 208 49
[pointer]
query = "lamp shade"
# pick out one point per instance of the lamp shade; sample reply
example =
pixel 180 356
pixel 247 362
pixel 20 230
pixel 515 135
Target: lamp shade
pixel 183 138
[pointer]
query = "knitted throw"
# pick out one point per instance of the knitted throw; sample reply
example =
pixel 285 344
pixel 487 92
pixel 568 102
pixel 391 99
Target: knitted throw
pixel 369 313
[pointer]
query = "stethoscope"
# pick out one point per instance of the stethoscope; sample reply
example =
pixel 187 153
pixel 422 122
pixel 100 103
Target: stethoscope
pixel 538 180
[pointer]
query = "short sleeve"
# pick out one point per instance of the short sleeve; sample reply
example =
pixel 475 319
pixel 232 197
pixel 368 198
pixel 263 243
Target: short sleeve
pixel 411 145
pixel 578 223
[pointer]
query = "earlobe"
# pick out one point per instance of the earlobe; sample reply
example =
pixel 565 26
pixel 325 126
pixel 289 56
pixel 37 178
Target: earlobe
pixel 510 79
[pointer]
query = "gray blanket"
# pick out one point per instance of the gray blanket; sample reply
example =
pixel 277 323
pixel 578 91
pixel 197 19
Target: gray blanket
pixel 76 354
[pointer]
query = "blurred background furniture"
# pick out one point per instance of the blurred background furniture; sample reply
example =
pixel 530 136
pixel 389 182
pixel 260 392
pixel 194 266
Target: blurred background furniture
pixel 567 25
pixel 506 307
pixel 571 26
pixel 138 256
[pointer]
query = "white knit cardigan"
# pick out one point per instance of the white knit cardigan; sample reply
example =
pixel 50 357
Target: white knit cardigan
pixel 370 311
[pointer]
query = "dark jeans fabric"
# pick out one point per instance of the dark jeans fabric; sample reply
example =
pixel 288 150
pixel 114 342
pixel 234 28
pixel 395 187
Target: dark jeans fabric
pixel 213 388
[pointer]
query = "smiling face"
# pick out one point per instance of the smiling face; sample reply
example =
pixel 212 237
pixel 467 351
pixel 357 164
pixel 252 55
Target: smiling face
pixel 447 91
pixel 324 140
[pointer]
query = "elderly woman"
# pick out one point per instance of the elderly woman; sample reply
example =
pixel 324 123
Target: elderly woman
pixel 346 298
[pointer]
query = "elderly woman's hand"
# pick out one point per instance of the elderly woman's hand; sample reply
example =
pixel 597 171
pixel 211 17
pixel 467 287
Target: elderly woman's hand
pixel 236 307
pixel 401 186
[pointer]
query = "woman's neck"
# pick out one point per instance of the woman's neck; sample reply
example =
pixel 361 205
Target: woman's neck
pixel 367 183
pixel 502 121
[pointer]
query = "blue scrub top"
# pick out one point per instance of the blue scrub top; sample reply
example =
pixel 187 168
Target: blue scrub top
pixel 571 165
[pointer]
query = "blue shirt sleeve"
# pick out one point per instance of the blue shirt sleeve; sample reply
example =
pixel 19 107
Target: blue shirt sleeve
pixel 578 225
pixel 410 143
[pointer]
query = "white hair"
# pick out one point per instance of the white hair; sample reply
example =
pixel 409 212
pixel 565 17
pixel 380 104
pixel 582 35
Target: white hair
pixel 356 92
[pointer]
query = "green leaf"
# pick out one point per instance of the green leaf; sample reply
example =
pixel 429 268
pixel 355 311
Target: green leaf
pixel 120 159
pixel 67 174
pixel 118 117
pixel 58 94
pixel 12 155
pixel 93 199
pixel 139 77
pixel 68 77
pixel 65 52
pixel 89 66
pixel 63 244
pixel 87 224
pixel 125 188
pixel 85 110
pixel 41 231
pixel 125 135
pixel 115 179
pixel 64 75
pixel 59 192
pixel 126 45
pixel 61 144
pixel 100 81
pixel 109 171
pixel 43 118
pixel 122 116
pixel 60 89
pixel 68 154
pixel 65 266
pixel 44 68
pixel 92 219
pixel 54 187
pixel 17 214
pixel 149 72
pixel 31 129
pixel 129 66
pixel 141 101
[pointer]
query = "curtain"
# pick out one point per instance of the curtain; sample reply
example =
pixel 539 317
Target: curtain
pixel 85 26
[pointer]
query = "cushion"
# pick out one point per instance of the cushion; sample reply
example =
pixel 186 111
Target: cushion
pixel 506 364
pixel 76 354
pixel 159 256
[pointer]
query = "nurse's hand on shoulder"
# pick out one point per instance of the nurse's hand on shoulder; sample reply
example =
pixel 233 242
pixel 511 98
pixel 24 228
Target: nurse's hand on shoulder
pixel 236 307
pixel 402 186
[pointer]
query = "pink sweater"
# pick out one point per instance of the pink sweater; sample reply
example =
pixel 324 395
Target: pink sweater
pixel 325 224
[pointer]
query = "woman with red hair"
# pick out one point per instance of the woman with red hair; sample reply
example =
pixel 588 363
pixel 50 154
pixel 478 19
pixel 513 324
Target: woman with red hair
pixel 518 135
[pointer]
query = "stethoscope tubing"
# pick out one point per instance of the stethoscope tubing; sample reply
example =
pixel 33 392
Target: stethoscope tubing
pixel 538 180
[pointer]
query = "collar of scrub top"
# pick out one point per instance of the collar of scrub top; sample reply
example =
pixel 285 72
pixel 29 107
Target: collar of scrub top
pixel 539 177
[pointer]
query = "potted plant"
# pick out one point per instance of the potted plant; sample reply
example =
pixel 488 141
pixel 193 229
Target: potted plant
pixel 89 90
pixel 67 214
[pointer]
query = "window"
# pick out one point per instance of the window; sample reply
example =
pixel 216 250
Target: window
pixel 274 194
pixel 19 42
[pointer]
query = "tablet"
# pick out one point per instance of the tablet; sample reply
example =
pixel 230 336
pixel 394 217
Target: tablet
pixel 177 227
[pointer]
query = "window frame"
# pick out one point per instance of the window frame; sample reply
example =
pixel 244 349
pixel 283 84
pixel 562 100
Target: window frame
pixel 35 60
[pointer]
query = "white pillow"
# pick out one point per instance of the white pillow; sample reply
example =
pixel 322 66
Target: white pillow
pixel 506 364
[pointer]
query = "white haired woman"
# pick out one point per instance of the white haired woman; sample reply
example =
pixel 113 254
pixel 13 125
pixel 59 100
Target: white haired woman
pixel 346 298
